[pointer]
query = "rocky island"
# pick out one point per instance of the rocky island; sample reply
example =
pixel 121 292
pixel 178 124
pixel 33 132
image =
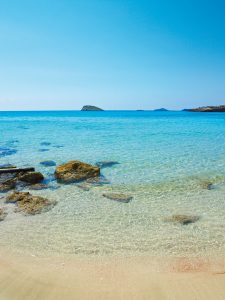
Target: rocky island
pixel 91 108
pixel 220 108
pixel 161 109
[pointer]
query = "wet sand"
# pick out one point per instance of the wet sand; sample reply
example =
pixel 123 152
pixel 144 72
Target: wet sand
pixel 23 278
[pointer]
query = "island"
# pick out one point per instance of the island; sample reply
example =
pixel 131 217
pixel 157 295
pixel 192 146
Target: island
pixel 220 108
pixel 160 109
pixel 91 108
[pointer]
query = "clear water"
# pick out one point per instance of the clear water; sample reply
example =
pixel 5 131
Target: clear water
pixel 166 159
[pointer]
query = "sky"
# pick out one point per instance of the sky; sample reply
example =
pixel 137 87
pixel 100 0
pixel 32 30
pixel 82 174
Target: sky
pixel 116 54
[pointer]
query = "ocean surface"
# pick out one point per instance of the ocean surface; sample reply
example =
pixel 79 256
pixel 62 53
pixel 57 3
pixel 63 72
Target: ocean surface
pixel 166 161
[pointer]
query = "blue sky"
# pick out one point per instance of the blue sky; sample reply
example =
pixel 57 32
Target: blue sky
pixel 117 54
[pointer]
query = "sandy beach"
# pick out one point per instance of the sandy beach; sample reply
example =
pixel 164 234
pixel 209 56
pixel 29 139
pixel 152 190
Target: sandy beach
pixel 31 278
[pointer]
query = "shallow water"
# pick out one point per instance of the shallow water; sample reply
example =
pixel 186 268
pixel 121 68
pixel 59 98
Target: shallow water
pixel 166 160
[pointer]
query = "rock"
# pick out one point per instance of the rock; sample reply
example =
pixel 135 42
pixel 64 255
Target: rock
pixel 75 171
pixel 98 181
pixel 8 185
pixel 182 219
pixel 45 143
pixel 23 127
pixel 4 151
pixel 106 163
pixel 7 166
pixel 207 185
pixel 29 204
pixel 38 186
pixel 118 197
pixel 48 163
pixel 58 146
pixel 3 214
pixel 31 177
pixel 84 186
pixel 91 108
pixel 220 108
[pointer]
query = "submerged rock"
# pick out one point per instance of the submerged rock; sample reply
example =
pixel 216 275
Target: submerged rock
pixel 84 186
pixel 31 177
pixel 118 197
pixel 29 204
pixel 48 163
pixel 91 108
pixel 4 151
pixel 182 219
pixel 75 171
pixel 8 185
pixel 45 143
pixel 39 186
pixel 7 166
pixel 98 181
pixel 43 150
pixel 207 185
pixel 106 163
pixel 3 214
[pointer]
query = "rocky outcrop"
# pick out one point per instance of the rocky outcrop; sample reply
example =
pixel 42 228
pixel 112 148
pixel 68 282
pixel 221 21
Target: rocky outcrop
pixel 182 219
pixel 220 108
pixel 91 108
pixel 106 163
pixel 75 171
pixel 3 214
pixel 118 197
pixel 29 204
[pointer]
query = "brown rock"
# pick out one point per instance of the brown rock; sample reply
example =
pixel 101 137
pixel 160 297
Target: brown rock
pixel 118 197
pixel 29 204
pixel 3 214
pixel 182 219
pixel 31 177
pixel 75 171
pixel 7 185
pixel 38 186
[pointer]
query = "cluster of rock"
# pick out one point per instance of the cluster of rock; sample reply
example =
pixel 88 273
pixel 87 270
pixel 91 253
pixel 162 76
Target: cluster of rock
pixel 84 175
pixel 10 178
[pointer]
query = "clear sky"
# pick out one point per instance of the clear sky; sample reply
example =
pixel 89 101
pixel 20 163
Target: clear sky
pixel 116 54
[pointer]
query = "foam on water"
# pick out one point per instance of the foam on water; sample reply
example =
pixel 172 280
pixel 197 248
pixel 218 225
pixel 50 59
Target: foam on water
pixel 166 160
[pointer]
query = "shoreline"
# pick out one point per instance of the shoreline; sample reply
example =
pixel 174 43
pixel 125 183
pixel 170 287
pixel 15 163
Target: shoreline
pixel 29 277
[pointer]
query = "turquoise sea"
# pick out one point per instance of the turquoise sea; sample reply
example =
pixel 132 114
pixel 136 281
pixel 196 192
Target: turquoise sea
pixel 166 160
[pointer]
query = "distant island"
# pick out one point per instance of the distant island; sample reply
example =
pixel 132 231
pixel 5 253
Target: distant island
pixel 220 108
pixel 91 108
pixel 161 109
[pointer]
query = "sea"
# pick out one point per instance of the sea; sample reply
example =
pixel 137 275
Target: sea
pixel 171 163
